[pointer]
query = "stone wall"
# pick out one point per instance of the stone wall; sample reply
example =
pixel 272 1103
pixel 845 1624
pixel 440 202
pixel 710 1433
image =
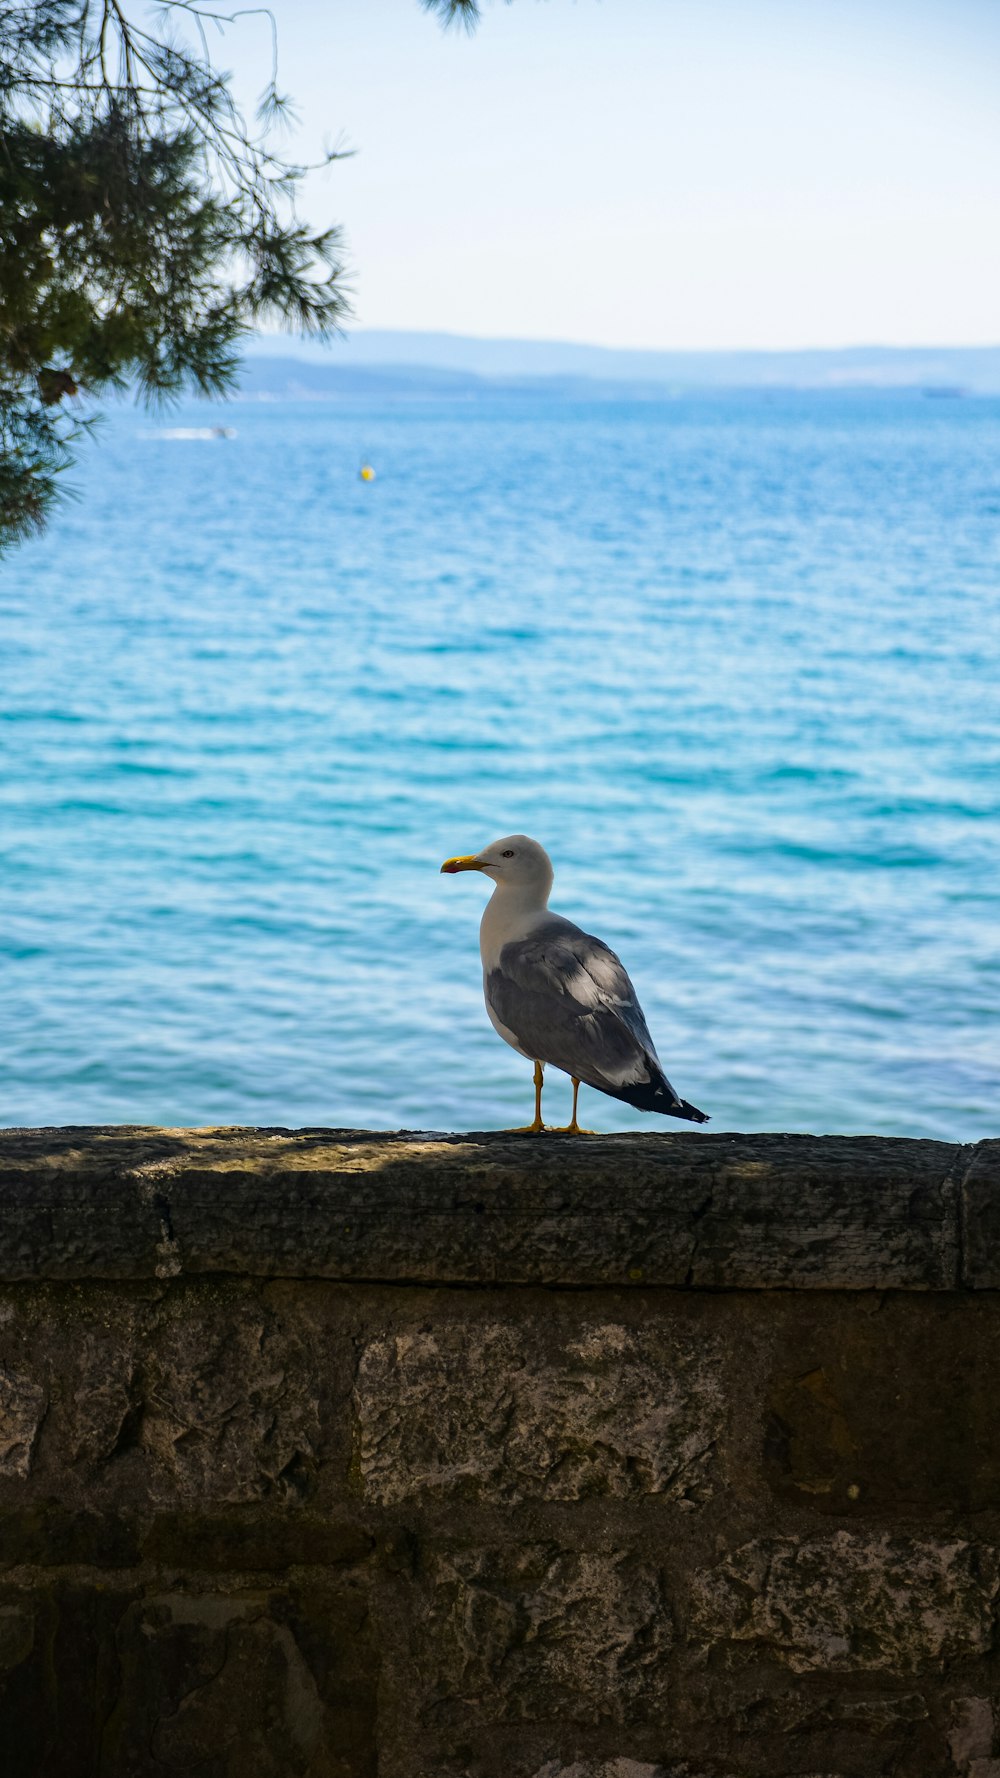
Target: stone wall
pixel 329 1455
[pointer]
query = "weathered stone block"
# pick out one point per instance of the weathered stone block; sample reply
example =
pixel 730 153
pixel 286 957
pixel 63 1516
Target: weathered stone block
pixel 169 1399
pixel 849 1603
pixel 22 1409
pixel 244 1686
pixel 510 1413
pixel 630 1768
pixel 612 1768
pixel 888 1407
pixel 971 1735
pixel 536 1633
pixel 231 1409
pixel 980 1209
pixel 716 1211
pixel 103 1404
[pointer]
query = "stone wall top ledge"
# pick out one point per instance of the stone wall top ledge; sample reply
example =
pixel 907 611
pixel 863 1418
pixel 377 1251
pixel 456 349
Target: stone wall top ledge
pixel 678 1210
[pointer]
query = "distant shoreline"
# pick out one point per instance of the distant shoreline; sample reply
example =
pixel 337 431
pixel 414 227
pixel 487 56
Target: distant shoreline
pixel 290 379
pixel 450 363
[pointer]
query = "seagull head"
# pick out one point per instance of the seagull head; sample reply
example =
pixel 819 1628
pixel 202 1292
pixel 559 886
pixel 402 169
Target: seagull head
pixel 516 862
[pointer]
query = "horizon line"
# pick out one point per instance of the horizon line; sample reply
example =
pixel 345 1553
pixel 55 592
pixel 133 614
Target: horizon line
pixel 446 333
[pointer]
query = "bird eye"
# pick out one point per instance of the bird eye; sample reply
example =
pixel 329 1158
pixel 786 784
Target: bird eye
pixel 509 852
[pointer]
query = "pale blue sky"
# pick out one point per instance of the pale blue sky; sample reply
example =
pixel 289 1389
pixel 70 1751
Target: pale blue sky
pixel 662 173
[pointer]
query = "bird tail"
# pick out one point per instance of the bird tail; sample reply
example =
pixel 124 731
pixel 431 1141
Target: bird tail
pixel 658 1095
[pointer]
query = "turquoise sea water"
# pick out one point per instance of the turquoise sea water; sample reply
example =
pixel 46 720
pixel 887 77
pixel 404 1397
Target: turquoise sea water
pixel 734 661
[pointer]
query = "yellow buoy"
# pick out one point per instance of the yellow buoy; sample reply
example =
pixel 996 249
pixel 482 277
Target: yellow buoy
pixel 367 472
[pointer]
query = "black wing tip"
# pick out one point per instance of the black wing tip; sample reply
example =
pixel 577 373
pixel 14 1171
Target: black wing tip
pixel 691 1112
pixel 654 1096
pixel 675 1107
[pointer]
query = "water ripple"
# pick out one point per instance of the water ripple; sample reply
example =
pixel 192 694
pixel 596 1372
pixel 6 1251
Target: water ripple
pixel 735 661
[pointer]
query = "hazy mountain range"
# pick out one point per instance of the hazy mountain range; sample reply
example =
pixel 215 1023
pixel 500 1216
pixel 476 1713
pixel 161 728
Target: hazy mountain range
pixel 378 361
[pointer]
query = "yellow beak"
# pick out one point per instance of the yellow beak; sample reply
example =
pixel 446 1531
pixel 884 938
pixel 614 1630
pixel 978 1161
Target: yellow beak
pixel 468 862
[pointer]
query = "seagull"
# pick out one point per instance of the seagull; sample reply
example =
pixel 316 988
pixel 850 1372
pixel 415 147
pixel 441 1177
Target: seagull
pixel 556 994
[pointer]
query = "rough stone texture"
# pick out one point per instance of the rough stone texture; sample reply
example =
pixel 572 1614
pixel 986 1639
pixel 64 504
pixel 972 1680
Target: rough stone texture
pixel 542 1633
pixel 341 1456
pixel 719 1212
pixel 630 1768
pixel 971 1734
pixel 849 1603
pixel 980 1217
pixel 510 1414
pixel 22 1409
pixel 614 1768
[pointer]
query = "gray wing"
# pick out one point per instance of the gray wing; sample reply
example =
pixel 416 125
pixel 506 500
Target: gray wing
pixel 568 1000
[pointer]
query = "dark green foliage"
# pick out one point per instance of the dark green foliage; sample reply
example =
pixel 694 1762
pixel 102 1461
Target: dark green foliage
pixel 144 228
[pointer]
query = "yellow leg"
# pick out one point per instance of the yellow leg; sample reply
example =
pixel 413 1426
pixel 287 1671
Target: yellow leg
pixel 533 1129
pixel 573 1128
